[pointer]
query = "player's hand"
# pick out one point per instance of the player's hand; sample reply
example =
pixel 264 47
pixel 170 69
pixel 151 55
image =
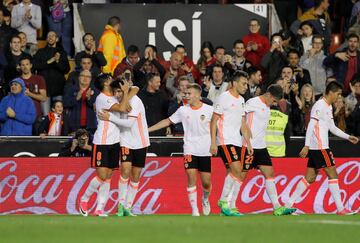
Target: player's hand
pixel 353 139
pixel 104 115
pixel 303 153
pixel 125 87
pixel 250 150
pixel 74 144
pixel 213 149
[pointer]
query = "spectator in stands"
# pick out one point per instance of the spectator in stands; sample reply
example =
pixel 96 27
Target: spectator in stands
pixel 254 88
pixel 155 102
pixel 133 57
pixel 302 109
pixel 17 111
pixel 319 19
pixel 23 43
pixel 313 60
pixel 26 17
pixel 274 60
pixel 345 63
pixel 73 77
pixel 13 57
pixel 291 42
pixel 56 123
pixel 111 45
pixel 340 113
pixel 206 57
pixel 60 20
pixel 6 32
pixel 97 57
pixel 239 62
pixel 214 85
pixel 51 62
pixel 79 102
pixel 174 72
pixel 301 75
pixel 354 97
pixel 35 84
pixel 257 45
pixel 78 146
pixel 306 35
pixel 147 64
pixel 187 63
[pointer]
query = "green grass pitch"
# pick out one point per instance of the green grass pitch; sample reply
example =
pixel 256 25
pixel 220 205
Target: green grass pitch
pixel 180 228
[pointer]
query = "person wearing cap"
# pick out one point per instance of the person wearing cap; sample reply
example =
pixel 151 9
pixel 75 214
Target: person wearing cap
pixel 17 111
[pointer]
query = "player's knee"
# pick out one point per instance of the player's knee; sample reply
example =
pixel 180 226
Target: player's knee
pixel 310 179
pixel 206 185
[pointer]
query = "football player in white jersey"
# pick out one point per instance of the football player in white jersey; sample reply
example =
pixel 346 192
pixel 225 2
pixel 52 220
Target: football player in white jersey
pixel 134 140
pixel 195 118
pixel 257 116
pixel 317 147
pixel 105 157
pixel 227 121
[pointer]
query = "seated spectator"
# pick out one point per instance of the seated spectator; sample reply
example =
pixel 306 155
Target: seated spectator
pixel 306 35
pixel 35 84
pixel 147 64
pixel 255 79
pixel 340 113
pixel 301 75
pixel 26 17
pixel 17 111
pixel 51 62
pixel 56 123
pixel 274 60
pixel 206 57
pixel 6 32
pixel 78 146
pixel 257 45
pixel 79 102
pixel 239 62
pixel 97 57
pixel 133 56
pixel 23 43
pixel 155 102
pixel 173 72
pixel 301 111
pixel 345 63
pixel 187 63
pixel 313 60
pixel 214 85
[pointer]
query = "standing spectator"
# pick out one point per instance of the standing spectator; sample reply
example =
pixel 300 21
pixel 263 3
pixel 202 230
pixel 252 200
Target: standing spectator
pixel 301 75
pixel 345 63
pixel 147 64
pixel 23 43
pixel 79 101
pixel 133 57
pixel 60 20
pixel 255 79
pixel 319 19
pixel 313 60
pixel 257 45
pixel 56 123
pixel 301 111
pixel 239 62
pixel 51 62
pixel 155 102
pixel 187 63
pixel 13 57
pixel 274 60
pixel 206 57
pixel 111 45
pixel 26 17
pixel 306 34
pixel 73 77
pixel 17 111
pixel 6 32
pixel 215 85
pixel 340 113
pixel 222 60
pixel 291 42
pixel 97 57
pixel 35 84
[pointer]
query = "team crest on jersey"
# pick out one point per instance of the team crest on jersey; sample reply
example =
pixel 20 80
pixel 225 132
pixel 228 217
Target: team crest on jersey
pixel 108 101
pixel 317 112
pixel 217 106
pixel 247 166
pixel 236 156
pixel 98 163
pixel 124 158
pixel 186 165
pixel 202 117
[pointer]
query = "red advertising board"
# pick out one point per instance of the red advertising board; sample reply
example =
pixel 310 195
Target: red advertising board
pixel 55 185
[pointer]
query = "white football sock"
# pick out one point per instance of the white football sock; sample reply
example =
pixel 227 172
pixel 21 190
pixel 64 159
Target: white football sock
pixel 300 188
pixel 235 193
pixel 133 188
pixel 123 189
pixel 192 194
pixel 93 187
pixel 103 195
pixel 335 192
pixel 272 192
pixel 228 184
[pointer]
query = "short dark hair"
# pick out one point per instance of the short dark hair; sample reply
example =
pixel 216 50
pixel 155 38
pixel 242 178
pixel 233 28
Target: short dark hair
pixel 355 79
pixel 252 70
pixel 25 58
pixel 150 76
pixel 219 47
pixel 258 22
pixel 151 46
pixel 86 56
pixel 317 3
pixel 237 75
pixel 287 67
pixel 274 35
pixel 81 132
pixel 293 51
pixel 216 65
pixel 317 37
pixel 15 37
pixel 114 20
pixel 353 35
pixel 237 42
pixel 86 34
pixel 55 102
pixel 100 80
pixel 132 49
pixel 179 46
pixel 116 84
pixel 195 86
pixel 306 22
pixel 276 91
pixel 333 86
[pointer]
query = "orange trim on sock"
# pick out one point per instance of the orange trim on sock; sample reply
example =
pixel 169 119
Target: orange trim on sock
pixel 131 184
pixel 123 181
pixel 303 180
pixel 108 180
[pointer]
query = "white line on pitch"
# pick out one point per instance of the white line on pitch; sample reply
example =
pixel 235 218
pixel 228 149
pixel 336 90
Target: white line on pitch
pixel 336 222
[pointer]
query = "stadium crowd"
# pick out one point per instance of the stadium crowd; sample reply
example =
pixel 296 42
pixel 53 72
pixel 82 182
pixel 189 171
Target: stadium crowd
pixel 40 95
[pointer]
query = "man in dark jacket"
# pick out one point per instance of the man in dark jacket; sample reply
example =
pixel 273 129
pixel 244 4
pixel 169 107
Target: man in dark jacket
pixel 155 102
pixel 51 62
pixel 17 111
pixel 79 101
